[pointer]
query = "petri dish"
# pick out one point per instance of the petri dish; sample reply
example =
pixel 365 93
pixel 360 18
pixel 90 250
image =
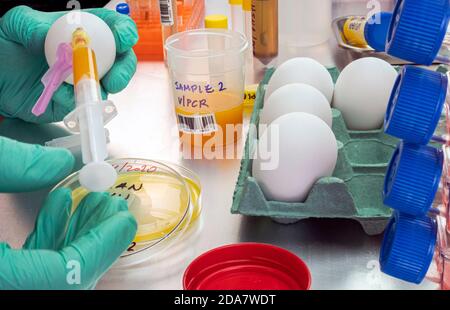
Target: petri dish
pixel 165 199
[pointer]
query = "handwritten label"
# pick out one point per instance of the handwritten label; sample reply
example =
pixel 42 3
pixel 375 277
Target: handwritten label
pixel 196 95
pixel 134 167
pixel 135 187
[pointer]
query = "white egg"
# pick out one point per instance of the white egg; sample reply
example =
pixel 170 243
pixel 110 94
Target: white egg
pixel 296 97
pixel 302 70
pixel 102 39
pixel 293 153
pixel 362 92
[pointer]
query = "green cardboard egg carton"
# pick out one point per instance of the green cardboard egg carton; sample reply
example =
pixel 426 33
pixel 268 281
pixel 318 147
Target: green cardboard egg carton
pixel 353 192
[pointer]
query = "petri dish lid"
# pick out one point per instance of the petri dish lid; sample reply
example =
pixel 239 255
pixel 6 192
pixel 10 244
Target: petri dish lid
pixel 160 198
pixel 247 266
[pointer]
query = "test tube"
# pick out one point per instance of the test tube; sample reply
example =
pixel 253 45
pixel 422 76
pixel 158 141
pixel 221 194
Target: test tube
pixel 418 31
pixel 360 31
pixel 237 16
pixel 247 9
pixel 96 175
pixel 169 24
pixel 265 29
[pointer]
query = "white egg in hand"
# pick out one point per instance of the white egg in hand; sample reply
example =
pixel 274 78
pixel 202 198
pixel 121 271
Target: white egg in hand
pixel 302 70
pixel 362 92
pixel 294 152
pixel 102 39
pixel 296 97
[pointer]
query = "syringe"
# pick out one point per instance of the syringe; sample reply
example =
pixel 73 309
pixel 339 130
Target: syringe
pixel 96 175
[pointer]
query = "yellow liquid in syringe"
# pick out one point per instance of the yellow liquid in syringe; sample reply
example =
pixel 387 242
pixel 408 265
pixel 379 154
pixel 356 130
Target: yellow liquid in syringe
pixel 158 201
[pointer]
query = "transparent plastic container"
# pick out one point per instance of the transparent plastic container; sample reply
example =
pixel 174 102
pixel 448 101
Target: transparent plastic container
pixel 207 71
pixel 237 15
pixel 414 177
pixel 164 198
pixel 416 248
pixel 419 31
pixel 415 244
pixel 308 21
pixel 247 9
pixel 418 108
pixel 417 113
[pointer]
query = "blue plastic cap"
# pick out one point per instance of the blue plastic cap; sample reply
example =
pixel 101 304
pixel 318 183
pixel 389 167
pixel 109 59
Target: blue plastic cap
pixel 376 33
pixel 416 103
pixel 123 8
pixel 417 30
pixel 408 247
pixel 412 178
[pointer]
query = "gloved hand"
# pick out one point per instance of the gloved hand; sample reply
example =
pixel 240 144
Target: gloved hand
pixel 22 62
pixel 56 257
pixel 62 249
pixel 63 252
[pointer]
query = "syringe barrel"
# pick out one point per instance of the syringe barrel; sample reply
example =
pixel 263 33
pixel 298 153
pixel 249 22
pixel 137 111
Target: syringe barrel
pixel 88 99
pixel 92 132
pixel 418 31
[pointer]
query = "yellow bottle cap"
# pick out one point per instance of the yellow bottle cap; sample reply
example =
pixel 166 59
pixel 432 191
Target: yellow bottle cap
pixel 216 21
pixel 353 31
pixel 235 2
pixel 247 5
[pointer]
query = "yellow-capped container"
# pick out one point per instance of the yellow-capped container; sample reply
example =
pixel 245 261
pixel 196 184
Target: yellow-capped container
pixel 217 21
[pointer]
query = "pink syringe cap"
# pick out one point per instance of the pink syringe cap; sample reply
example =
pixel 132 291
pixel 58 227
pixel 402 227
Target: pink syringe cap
pixel 54 77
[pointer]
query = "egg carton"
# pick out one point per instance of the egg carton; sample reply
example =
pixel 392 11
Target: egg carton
pixel 353 191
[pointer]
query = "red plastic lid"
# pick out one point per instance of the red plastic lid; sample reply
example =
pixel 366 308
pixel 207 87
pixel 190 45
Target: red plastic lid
pixel 247 266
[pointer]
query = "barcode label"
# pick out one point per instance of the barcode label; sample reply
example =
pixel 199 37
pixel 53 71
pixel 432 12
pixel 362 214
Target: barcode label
pixel 205 123
pixel 166 11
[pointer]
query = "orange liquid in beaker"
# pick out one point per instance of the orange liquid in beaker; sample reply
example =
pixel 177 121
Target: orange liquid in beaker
pixel 224 109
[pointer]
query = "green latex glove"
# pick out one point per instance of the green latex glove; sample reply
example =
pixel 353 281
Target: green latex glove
pixel 88 242
pixel 22 62
pixel 69 252
pixel 28 167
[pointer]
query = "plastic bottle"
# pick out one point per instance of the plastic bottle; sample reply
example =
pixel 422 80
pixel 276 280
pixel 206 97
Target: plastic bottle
pixel 418 31
pixel 415 244
pixel 360 31
pixel 265 29
pixel 415 248
pixel 418 106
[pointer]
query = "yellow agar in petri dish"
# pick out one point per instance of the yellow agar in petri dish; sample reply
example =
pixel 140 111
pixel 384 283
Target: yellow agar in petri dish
pixel 159 202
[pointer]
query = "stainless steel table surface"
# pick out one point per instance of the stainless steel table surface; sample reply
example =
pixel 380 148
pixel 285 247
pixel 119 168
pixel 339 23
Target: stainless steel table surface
pixel 338 252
